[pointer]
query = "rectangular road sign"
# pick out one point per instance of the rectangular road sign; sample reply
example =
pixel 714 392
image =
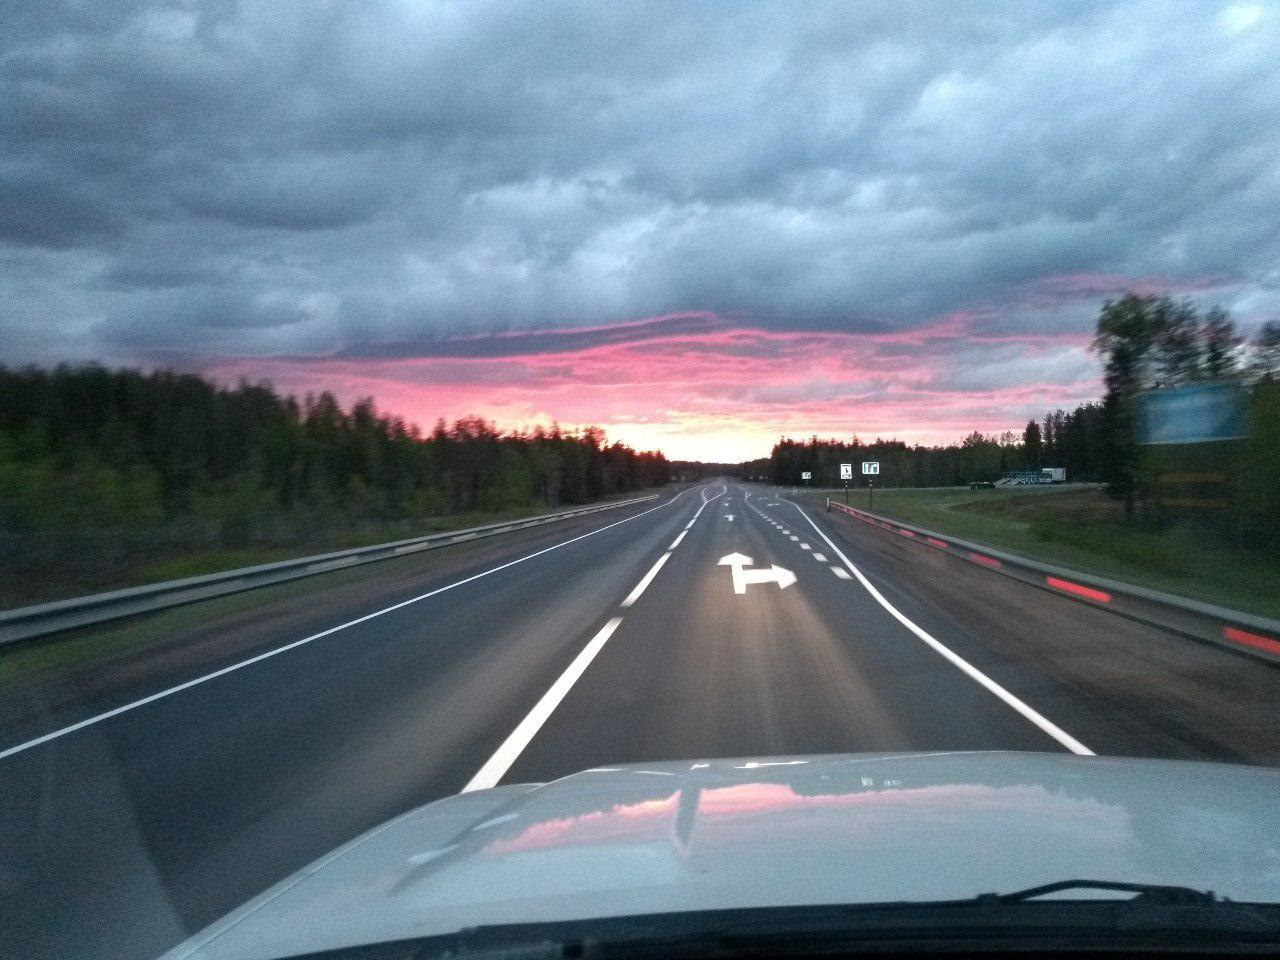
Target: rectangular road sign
pixel 871 468
pixel 806 475
pixel 846 471
pixel 1203 413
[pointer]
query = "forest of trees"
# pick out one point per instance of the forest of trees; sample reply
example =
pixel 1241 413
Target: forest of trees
pixel 93 459
pixel 1146 343
pixel 170 456
pixel 1074 440
pixel 1152 343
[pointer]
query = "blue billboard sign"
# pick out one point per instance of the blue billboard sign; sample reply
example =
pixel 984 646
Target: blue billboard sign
pixel 1201 413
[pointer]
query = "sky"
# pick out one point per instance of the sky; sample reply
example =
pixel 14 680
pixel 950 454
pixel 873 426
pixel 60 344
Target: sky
pixel 699 226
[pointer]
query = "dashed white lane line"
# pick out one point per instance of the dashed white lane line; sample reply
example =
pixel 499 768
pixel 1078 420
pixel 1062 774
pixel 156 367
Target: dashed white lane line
pixel 841 572
pixel 805 546
pixel 497 765
pixel 820 557
pixel 793 536
pixel 647 579
pixel 178 688
pixel 1045 724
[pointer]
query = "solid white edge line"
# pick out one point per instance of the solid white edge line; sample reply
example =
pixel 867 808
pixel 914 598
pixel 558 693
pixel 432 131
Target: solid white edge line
pixel 647 579
pixel 169 691
pixel 676 542
pixel 497 765
pixel 1046 725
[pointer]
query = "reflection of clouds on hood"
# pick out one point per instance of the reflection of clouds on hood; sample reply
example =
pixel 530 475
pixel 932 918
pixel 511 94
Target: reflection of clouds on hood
pixel 371 179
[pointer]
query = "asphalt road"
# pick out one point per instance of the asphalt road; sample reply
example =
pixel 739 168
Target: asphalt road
pixel 144 798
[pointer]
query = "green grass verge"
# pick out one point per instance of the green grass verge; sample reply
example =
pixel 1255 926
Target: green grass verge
pixel 96 644
pixel 197 562
pixel 1084 529
pixel 23 586
pixel 93 644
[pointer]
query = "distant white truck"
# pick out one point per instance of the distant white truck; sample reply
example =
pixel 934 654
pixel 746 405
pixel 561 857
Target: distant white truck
pixel 1054 474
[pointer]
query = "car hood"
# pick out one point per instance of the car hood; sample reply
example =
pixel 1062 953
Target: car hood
pixel 854 828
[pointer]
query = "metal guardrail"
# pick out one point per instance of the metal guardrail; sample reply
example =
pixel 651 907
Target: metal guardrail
pixel 43 619
pixel 1234 630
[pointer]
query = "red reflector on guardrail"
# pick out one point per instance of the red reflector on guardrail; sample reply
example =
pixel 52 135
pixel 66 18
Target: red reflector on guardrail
pixel 1255 640
pixel 1088 593
pixel 985 561
pixel 907 533
pixel 931 541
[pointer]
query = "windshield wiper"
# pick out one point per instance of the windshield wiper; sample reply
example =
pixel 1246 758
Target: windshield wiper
pixel 1153 893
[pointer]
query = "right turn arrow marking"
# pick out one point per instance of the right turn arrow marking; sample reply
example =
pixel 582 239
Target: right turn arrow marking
pixel 737 562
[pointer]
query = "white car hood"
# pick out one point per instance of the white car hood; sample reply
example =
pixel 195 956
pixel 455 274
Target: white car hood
pixel 856 828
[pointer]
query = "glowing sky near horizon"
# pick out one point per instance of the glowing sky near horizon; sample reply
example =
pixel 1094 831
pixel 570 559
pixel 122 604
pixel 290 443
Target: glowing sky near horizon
pixel 703 388
pixel 699 226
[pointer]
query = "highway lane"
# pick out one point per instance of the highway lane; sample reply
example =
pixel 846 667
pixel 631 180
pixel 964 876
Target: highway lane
pixel 1126 688
pixel 125 833
pixel 629 644
pixel 697 670
pixel 196 639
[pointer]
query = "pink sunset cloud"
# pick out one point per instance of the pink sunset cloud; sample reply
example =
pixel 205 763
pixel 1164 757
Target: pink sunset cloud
pixel 702 387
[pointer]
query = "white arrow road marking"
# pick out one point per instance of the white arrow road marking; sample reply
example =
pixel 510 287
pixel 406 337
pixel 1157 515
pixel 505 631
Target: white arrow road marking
pixel 736 561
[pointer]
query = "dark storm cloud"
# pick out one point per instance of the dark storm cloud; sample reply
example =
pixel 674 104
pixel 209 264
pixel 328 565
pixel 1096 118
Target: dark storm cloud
pixel 372 178
pixel 536 342
pixel 43 211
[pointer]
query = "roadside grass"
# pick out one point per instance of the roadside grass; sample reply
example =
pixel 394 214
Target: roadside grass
pixel 98 644
pixel 1084 529
pixel 21 586
pixel 197 562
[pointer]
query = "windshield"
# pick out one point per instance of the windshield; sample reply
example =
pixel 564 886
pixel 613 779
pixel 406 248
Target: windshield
pixel 467 464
